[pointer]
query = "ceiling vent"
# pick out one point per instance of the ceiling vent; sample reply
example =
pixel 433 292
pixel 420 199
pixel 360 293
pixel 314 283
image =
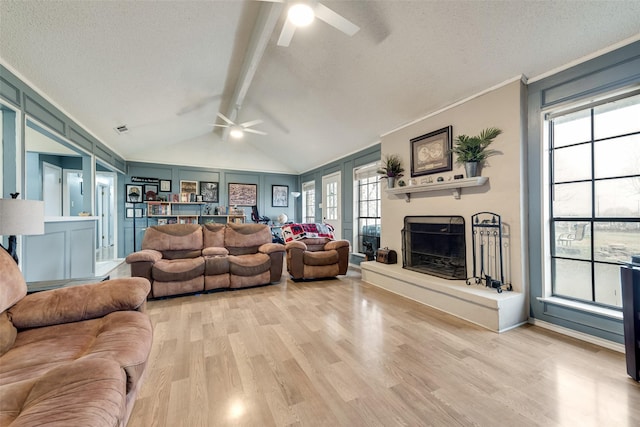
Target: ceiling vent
pixel 122 129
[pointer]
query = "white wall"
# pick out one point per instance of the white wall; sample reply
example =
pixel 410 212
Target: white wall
pixel 501 108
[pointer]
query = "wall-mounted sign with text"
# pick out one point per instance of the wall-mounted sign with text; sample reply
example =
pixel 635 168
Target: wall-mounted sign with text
pixel 145 180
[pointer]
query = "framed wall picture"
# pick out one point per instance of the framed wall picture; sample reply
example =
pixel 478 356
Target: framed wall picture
pixel 280 196
pixel 431 152
pixel 130 212
pixel 189 187
pixel 209 191
pixel 133 193
pixel 165 185
pixel 150 192
pixel 243 194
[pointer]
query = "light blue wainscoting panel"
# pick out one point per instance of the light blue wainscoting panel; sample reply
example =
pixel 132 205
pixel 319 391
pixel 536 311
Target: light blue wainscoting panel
pixel 65 251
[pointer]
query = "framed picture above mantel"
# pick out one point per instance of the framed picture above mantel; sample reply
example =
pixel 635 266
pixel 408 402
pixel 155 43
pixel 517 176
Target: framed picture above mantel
pixel 431 152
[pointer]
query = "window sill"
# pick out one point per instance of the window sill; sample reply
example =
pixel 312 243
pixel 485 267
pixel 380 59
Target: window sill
pixel 587 308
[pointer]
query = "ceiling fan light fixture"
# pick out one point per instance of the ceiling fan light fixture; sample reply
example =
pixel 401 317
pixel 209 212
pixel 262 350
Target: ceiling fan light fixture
pixel 236 132
pixel 300 14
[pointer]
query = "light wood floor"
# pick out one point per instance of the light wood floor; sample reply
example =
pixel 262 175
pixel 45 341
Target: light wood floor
pixel 345 353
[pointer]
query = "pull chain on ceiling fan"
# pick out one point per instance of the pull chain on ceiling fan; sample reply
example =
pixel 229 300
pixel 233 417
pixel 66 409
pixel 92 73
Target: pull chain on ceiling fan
pixel 302 14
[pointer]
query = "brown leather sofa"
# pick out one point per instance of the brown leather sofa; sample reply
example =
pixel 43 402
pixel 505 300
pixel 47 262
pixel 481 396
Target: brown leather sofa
pixel 72 356
pixel 314 258
pixel 187 258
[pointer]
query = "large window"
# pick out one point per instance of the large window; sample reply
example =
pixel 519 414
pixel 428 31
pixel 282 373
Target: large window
pixel 367 191
pixel 594 197
pixel 309 202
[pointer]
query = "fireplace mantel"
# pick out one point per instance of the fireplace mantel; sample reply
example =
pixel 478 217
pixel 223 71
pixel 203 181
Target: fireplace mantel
pixel 455 186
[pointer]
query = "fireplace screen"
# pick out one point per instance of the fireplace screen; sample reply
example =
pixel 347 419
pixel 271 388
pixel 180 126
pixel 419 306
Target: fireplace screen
pixel 435 245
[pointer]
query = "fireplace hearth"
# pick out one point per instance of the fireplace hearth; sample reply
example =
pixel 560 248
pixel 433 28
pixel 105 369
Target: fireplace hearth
pixel 435 245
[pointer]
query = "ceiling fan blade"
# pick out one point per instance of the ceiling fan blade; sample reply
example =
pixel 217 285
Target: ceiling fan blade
pixel 259 132
pixel 273 1
pixel 223 117
pixel 335 20
pixel 287 33
pixel 218 126
pixel 251 123
pixel 202 102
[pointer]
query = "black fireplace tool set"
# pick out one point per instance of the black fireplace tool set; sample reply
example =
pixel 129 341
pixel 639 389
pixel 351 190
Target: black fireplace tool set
pixel 488 257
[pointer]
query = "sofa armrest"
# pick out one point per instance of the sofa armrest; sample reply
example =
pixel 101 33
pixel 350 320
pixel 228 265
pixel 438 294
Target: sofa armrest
pixel 76 303
pixel 269 248
pixel 336 244
pixel 144 255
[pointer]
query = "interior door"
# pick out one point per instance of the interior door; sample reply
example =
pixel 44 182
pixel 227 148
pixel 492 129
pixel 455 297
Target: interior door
pixel 332 202
pixel 52 189
pixel 101 231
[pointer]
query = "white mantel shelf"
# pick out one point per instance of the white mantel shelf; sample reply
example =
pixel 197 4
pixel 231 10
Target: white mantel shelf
pixel 455 186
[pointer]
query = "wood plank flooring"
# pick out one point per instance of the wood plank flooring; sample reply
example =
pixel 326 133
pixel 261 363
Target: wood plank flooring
pixel 345 353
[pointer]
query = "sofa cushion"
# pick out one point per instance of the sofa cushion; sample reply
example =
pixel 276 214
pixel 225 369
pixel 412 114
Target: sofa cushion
pixel 8 333
pixel 241 239
pixel 173 237
pixel 12 285
pixel 173 270
pixel 213 235
pixel 320 258
pixel 87 392
pixel 249 265
pixel 123 336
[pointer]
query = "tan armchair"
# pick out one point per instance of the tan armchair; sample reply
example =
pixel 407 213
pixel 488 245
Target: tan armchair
pixel 313 258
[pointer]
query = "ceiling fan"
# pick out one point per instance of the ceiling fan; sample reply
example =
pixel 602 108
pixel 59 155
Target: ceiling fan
pixel 303 13
pixel 237 130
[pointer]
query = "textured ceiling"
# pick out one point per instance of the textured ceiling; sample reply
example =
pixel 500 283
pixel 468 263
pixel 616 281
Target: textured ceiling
pixel 166 68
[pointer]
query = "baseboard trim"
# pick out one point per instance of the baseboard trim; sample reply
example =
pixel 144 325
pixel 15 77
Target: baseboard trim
pixel 578 335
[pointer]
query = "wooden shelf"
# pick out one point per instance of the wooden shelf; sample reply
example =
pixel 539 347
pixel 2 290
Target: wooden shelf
pixel 179 214
pixel 455 186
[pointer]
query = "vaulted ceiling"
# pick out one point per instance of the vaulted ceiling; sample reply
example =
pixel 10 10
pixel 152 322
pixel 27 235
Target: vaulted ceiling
pixel 165 69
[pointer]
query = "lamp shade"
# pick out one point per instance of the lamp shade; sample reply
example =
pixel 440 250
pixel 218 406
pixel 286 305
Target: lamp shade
pixel 21 217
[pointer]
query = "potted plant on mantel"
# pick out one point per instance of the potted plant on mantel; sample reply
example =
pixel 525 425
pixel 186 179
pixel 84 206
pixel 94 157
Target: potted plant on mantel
pixel 391 169
pixel 471 151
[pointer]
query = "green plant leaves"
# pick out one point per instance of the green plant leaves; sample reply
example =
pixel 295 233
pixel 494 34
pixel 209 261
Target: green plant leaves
pixel 474 148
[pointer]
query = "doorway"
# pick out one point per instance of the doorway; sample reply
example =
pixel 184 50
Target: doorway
pixel 52 189
pixel 105 211
pixel 332 202
pixel 73 192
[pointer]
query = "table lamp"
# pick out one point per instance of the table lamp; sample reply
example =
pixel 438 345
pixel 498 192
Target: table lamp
pixel 20 217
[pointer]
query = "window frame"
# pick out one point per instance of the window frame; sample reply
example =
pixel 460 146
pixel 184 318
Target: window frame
pixel 308 188
pixel 590 222
pixel 366 172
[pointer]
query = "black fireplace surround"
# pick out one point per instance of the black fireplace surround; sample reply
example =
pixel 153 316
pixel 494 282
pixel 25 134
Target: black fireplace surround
pixel 435 245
